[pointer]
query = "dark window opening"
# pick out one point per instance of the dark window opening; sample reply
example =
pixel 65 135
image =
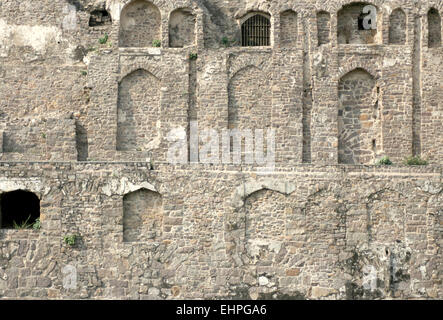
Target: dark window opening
pixel 256 31
pixel 19 210
pixel 99 18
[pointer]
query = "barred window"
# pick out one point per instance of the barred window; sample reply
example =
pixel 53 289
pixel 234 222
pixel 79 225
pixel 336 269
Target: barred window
pixel 256 31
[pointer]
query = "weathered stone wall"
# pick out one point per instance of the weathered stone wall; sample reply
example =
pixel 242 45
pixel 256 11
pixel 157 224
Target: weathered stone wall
pixel 69 72
pixel 312 232
pixel 80 93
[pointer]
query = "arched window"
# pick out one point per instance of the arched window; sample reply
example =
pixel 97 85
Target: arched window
pixel 397 27
pixel 256 31
pixel 434 27
pixel 19 210
pixel 99 18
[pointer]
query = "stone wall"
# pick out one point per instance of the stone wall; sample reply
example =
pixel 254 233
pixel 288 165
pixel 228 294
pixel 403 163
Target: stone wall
pixel 311 232
pixel 87 110
pixel 69 72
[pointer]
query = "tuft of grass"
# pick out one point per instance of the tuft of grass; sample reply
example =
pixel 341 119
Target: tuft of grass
pixel 156 43
pixel 71 239
pixel 104 39
pixel 384 161
pixel 193 56
pixel 23 225
pixel 415 161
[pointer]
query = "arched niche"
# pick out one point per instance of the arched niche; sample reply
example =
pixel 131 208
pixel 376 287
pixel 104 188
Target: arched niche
pixel 140 24
pixel 359 23
pixel 181 28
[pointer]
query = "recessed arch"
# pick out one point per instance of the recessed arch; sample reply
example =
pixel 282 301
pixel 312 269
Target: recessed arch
pixel 397 27
pixel 142 215
pixel 356 26
pixel 265 215
pixel 140 24
pixel 434 28
pixel 138 110
pixel 358 118
pixel 288 28
pixel 245 190
pixel 323 27
pixel 181 28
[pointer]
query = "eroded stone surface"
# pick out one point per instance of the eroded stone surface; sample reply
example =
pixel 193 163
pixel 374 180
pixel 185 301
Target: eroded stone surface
pixel 86 101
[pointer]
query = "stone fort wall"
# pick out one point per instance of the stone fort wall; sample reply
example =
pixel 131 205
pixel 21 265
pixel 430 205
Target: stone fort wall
pixel 89 91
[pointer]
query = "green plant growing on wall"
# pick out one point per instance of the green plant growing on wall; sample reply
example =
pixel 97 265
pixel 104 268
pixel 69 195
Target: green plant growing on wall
pixel 44 135
pixel 84 73
pixel 415 161
pixel 225 41
pixel 193 56
pixel 71 239
pixel 104 39
pixel 37 224
pixel 384 161
pixel 156 43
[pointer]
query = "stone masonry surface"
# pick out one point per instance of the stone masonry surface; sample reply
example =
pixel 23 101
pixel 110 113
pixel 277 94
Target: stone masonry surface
pixel 91 89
